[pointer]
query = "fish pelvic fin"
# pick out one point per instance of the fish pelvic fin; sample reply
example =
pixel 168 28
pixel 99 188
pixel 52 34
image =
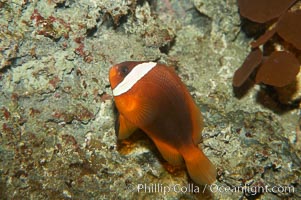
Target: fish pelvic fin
pixel 124 128
pixel 199 167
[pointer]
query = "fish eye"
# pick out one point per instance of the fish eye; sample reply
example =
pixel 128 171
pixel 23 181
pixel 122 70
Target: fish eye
pixel 124 70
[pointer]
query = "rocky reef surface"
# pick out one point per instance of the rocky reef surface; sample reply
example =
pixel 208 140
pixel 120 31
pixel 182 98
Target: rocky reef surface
pixel 57 138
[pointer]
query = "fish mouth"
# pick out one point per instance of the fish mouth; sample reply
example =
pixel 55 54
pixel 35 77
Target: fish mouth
pixel 112 76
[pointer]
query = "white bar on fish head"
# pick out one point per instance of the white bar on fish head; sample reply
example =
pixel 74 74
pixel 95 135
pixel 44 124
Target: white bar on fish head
pixel 133 77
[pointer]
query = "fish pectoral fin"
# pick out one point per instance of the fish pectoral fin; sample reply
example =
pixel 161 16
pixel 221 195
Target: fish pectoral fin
pixel 124 128
pixel 142 110
pixel 169 153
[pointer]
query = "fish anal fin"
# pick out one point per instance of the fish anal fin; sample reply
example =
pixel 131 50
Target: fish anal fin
pixel 169 153
pixel 124 127
pixel 199 167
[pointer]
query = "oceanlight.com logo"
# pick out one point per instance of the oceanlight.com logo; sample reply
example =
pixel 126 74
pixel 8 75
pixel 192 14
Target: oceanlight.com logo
pixel 251 190
pixel 214 188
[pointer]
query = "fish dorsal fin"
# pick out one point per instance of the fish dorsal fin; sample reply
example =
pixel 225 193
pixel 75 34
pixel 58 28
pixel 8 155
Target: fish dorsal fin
pixel 124 128
pixel 195 114
pixel 196 117
pixel 197 120
pixel 169 153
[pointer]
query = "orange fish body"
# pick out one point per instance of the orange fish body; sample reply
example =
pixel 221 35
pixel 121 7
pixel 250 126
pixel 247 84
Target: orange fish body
pixel 151 96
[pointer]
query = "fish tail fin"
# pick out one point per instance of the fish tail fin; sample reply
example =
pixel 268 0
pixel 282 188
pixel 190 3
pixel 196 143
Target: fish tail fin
pixel 199 167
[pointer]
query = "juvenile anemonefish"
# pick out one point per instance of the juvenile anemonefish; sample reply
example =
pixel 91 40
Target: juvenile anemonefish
pixel 151 96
